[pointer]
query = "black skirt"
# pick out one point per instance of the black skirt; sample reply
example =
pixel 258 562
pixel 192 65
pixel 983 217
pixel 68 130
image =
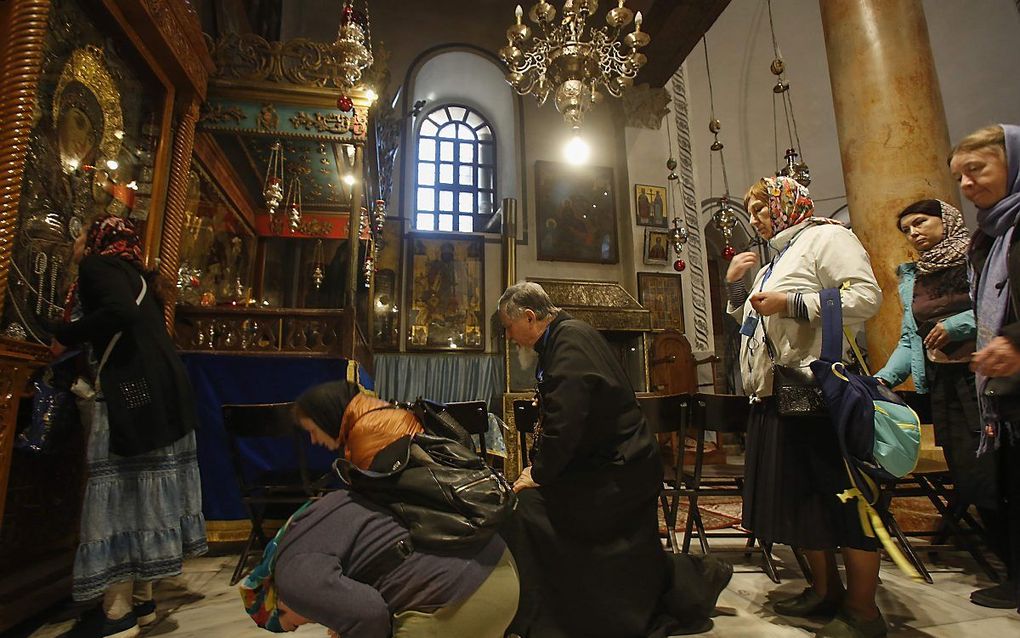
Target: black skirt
pixel 793 473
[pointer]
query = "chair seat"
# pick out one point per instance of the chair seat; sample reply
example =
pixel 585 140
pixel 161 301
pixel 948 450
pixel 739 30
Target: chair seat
pixel 931 466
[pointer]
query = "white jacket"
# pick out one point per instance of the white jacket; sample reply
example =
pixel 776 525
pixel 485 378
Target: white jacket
pixel 817 256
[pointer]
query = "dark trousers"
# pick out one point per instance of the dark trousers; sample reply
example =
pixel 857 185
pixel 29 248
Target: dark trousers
pixel 588 553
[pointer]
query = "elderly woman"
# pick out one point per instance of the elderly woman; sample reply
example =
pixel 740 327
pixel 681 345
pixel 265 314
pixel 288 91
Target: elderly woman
pixel 937 340
pixel 986 164
pixel 793 467
pixel 142 508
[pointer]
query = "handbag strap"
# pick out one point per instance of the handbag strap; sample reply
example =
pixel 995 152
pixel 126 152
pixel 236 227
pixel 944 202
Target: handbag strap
pixel 116 337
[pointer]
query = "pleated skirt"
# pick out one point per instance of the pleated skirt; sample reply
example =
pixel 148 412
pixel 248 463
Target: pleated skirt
pixel 141 515
pixel 793 474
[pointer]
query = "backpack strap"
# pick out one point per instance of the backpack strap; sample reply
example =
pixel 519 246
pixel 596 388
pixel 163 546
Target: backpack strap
pixel 832 325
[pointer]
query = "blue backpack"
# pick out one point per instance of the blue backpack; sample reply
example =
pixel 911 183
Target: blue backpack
pixel 879 434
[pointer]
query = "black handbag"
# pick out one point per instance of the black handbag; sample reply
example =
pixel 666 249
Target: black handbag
pixel 1004 393
pixel 794 388
pixel 447 497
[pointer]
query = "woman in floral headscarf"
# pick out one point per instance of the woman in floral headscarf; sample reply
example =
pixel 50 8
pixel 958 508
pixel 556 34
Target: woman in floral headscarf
pixel 142 509
pixel 794 467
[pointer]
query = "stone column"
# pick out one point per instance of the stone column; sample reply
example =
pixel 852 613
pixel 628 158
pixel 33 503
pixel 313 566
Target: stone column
pixel 176 198
pixel 893 139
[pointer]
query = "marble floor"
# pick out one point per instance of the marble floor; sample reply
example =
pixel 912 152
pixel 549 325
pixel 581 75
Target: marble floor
pixel 200 603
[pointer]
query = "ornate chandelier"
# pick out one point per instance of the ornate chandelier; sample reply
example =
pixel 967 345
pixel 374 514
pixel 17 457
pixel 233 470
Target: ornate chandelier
pixel 353 50
pixel 571 59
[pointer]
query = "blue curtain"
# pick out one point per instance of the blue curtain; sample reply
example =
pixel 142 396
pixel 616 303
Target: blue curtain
pixel 445 378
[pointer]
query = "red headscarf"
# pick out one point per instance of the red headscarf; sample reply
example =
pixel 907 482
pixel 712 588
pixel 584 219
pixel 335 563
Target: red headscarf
pixel 108 235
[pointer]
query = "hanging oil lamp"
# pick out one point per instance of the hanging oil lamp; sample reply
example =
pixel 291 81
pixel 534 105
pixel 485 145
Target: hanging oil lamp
pixel 725 220
pixel 272 186
pixel 678 238
pixel 318 261
pixel 294 204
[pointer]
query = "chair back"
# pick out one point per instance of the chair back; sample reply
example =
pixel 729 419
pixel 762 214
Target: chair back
pixel 719 412
pixel 664 412
pixel 473 416
pixel 266 421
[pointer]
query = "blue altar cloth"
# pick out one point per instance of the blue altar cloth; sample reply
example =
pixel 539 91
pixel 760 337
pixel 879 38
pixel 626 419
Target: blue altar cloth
pixel 219 379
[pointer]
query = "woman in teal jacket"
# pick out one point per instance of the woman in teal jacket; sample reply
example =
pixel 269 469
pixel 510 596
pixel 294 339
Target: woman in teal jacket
pixel 937 340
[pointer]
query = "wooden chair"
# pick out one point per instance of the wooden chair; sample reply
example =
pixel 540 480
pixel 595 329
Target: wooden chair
pixel 665 415
pixel 267 491
pixel 473 416
pixel 721 414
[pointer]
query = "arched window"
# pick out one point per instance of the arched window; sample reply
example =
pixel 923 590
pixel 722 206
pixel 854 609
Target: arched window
pixel 455 176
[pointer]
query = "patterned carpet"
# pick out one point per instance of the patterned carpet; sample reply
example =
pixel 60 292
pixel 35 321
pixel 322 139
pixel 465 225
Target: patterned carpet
pixel 717 512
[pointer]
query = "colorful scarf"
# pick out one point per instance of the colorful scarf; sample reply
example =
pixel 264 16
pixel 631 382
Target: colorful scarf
pixel 952 250
pixel 113 236
pixel 992 295
pixel 789 203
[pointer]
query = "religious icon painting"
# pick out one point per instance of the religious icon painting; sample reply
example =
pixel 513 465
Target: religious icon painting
pixel 575 213
pixel 650 205
pixel 446 279
pixel 656 252
pixel 662 294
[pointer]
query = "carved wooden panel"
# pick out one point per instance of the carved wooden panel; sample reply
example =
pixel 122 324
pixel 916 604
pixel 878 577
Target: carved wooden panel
pixel 260 332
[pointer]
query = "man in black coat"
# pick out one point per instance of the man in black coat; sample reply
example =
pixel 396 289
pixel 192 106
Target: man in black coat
pixel 585 534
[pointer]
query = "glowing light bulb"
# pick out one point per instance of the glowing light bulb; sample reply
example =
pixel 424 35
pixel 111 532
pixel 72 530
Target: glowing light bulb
pixel 112 164
pixel 576 151
pixel 349 179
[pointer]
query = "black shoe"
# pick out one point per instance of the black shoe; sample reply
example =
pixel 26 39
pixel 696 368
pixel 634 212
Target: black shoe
pixel 845 625
pixel 1001 596
pixel 145 612
pixel 95 624
pixel 806 604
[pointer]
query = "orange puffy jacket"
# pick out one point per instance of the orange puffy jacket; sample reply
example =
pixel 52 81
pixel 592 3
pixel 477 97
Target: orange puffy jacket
pixel 365 429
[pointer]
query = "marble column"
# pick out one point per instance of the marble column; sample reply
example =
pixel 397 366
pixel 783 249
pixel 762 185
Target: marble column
pixel 893 139
pixel 176 199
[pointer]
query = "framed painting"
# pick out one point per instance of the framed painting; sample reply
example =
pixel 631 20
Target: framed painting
pixel 576 213
pixel 446 279
pixel 650 205
pixel 387 304
pixel 656 251
pixel 662 294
